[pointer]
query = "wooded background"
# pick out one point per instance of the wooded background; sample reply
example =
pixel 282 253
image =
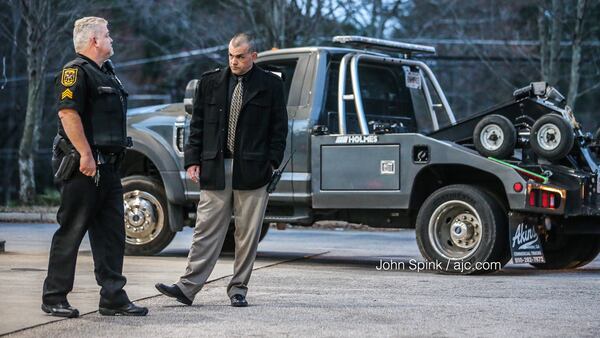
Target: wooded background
pixel 486 49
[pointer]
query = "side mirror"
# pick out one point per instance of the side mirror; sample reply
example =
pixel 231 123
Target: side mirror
pixel 190 96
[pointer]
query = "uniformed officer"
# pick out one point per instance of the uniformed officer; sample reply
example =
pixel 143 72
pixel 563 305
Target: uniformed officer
pixel 91 107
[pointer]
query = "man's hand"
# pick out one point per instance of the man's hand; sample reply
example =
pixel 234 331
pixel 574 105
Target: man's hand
pixel 194 172
pixel 87 165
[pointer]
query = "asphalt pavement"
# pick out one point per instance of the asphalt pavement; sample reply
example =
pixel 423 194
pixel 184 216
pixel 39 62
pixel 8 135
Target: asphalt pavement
pixel 309 283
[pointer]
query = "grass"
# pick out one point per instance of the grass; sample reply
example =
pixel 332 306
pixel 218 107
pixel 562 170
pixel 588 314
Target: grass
pixel 49 199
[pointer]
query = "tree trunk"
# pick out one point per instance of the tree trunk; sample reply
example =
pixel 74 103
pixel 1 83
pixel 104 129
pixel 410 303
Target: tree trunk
pixel 576 55
pixel 278 23
pixel 543 36
pixel 12 94
pixel 554 62
pixel 35 14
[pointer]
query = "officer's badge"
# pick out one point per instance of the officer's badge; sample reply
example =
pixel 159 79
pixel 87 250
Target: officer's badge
pixel 66 94
pixel 69 77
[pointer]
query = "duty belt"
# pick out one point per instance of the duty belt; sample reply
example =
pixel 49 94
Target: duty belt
pixel 104 157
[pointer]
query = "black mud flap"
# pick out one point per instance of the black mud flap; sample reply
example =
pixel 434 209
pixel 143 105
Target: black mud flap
pixel 525 244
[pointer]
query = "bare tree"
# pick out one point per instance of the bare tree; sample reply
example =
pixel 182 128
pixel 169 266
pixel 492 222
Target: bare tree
pixel 37 18
pixel 550 36
pixel 44 20
pixel 556 41
pixel 576 54
pixel 10 29
pixel 371 18
pixel 512 43
pixel 289 23
pixel 266 19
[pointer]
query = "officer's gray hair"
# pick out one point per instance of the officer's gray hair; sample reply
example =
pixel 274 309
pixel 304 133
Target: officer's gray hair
pixel 84 29
pixel 242 38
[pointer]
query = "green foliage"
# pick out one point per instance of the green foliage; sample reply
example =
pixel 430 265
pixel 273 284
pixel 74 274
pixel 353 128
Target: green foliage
pixel 49 198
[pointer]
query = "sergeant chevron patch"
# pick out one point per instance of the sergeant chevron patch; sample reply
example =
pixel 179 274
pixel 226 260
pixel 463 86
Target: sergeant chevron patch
pixel 67 93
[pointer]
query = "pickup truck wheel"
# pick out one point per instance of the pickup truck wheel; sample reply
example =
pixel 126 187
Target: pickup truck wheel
pixel 463 228
pixel 147 229
pixel 229 244
pixel 551 137
pixel 495 136
pixel 569 251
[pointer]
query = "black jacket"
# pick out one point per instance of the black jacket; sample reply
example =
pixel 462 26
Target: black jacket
pixel 100 100
pixel 260 134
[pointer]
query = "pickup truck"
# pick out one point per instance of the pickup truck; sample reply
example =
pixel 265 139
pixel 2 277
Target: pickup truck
pixel 373 140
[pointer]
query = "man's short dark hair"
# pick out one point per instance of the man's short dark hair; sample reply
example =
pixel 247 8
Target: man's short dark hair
pixel 242 38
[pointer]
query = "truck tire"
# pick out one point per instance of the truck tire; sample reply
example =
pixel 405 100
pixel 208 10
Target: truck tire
pixel 551 137
pixel 463 229
pixel 587 256
pixel 147 230
pixel 495 136
pixel 229 244
pixel 569 251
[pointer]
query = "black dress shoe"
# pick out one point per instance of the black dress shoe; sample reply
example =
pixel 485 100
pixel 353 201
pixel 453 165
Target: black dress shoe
pixel 62 309
pixel 173 291
pixel 238 301
pixel 128 309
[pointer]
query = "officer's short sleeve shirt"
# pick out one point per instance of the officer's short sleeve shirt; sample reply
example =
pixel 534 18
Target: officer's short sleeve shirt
pixel 71 89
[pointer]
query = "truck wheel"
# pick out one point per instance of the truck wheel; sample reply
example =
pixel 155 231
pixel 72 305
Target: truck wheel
pixel 147 229
pixel 569 251
pixel 587 256
pixel 551 137
pixel 463 228
pixel 495 136
pixel 229 244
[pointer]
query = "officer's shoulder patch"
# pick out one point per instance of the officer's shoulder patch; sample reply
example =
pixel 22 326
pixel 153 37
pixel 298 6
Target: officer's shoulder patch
pixel 69 76
pixel 212 71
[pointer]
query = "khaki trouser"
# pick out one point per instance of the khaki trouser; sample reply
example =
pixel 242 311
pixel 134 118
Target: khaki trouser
pixel 212 221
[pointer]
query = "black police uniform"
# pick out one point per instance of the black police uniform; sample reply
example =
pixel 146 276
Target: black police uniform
pixel 86 205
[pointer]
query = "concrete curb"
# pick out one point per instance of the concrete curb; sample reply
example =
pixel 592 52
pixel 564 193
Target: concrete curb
pixel 37 217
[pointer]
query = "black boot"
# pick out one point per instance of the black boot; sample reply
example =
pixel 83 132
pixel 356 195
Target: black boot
pixel 62 309
pixel 128 309
pixel 173 291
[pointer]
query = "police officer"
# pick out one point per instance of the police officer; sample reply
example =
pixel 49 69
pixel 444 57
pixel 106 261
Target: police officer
pixel 91 107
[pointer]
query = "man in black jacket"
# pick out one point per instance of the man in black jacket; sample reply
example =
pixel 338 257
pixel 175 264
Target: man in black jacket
pixel 237 138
